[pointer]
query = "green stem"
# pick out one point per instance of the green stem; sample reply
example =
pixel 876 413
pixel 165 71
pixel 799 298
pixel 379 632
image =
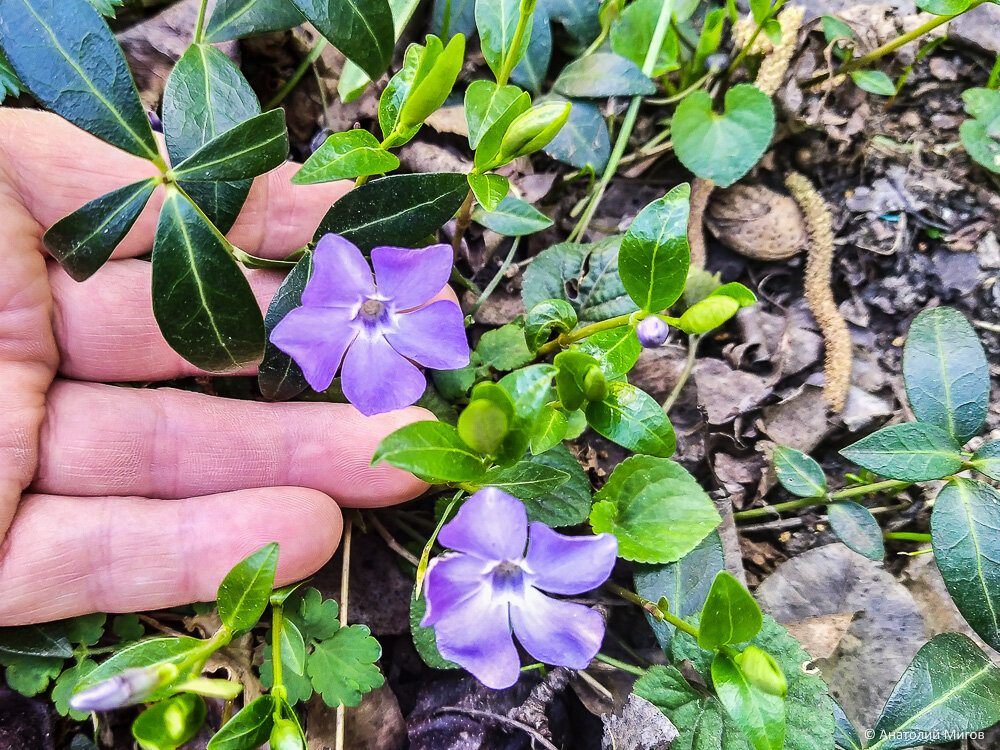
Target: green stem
pixel 907 536
pixel 652 608
pixel 746 48
pixel 867 489
pixel 462 221
pixel 630 668
pixel 880 52
pixel 693 341
pixel 566 339
pixel 515 46
pixel 277 625
pixel 173 185
pixel 291 83
pixel 199 27
pixel 809 502
pixel 994 81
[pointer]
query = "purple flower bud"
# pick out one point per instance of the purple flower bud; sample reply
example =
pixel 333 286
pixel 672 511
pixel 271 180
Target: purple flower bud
pixel 652 331
pixel 126 689
pixel 154 121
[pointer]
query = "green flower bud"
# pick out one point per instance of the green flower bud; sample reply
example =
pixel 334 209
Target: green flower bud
pixel 434 79
pixel 760 668
pixel 533 130
pixel 483 425
pixel 595 387
pixel 285 736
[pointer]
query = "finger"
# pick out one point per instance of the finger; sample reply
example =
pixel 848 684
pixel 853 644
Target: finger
pixel 60 168
pixel 67 556
pixel 105 327
pixel 103 440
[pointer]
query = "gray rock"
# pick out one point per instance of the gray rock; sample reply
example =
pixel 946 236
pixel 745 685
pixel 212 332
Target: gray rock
pixel 979 27
pixel 640 726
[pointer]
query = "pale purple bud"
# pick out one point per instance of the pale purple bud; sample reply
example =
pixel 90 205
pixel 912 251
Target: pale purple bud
pixel 126 689
pixel 652 332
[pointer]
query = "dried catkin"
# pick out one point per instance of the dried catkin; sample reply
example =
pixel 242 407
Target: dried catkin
pixel 819 295
pixel 775 64
pixel 701 191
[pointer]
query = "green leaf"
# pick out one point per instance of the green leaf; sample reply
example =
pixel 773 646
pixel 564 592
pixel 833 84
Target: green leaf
pixel 856 527
pixel 504 348
pixel 723 148
pixel 526 480
pixel 30 675
pixel 874 82
pixel 980 134
pixel 393 98
pixel 572 370
pixel 911 452
pixel 66 55
pixel 685 583
pixel 49 640
pixel 83 241
pixel 944 7
pixel 735 291
pixel 654 257
pixel 233 19
pixel 65 687
pixel 798 473
pixel 758 713
pixel 361 29
pixel 201 299
pixel 603 74
pixel 631 418
pixel 655 508
pixel 353 81
pixel 512 217
pixel 949 686
pixel 293 648
pixel 169 724
pixel 497 23
pixel 584 275
pixel 485 102
pixel 570 503
pixel 546 318
pixel 964 526
pixel 246 590
pixel 986 460
pixel 549 429
pixel 251 148
pixel 707 315
pixel 343 668
pixel 434 79
pixel 946 374
pixel 531 388
pixel 143 654
pixel 584 140
pixel 616 350
pixel 424 639
pixel 250 728
pixel 489 189
pixel 845 735
pixel 836 30
pixel 432 451
pixel 632 34
pixel 344 156
pixel 398 210
pixel 298 687
pixel 729 615
pixel 205 96
pixel 10 84
pixel 279 376
pixel 487 154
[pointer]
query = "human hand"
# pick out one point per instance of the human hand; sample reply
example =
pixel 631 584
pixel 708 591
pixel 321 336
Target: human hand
pixel 136 498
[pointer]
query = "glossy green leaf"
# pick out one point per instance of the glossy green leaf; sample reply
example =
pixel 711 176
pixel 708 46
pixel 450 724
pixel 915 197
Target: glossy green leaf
pixel 250 728
pixel 485 102
pixel 911 452
pixel 981 134
pixel 293 647
pixel 533 67
pixel 489 189
pixel 949 686
pixel 48 640
pixel 584 140
pixel 143 654
pixel 390 103
pixel 201 299
pixel 685 583
pixel 424 639
pixel 603 74
pixel 233 19
pixel 432 451
pixel 526 480
pixel 944 7
pixel 67 57
pixel 169 724
pixel 757 712
pixel 548 430
pixel 729 615
pixel 654 257
pixel 246 590
pixel 345 156
pixel 361 29
pixel 631 418
pixel 632 34
pixel 10 84
pixel 497 23
pixel 550 317
pixel 531 388
pixel 353 80
pixel 487 155
pixel 986 460
pixel 83 241
pixel 946 374
pixel 723 148
pixel 856 527
pixel 435 76
pixel 512 217
pixel 279 376
pixel 798 473
pixel 399 210
pixel 874 82
pixel 251 148
pixel 343 668
pixel 655 508
pixel 707 315
pixel 570 503
pixel 964 526
pixel 845 735
pixel 572 369
pixel 298 687
pixel 449 17
pixel 616 350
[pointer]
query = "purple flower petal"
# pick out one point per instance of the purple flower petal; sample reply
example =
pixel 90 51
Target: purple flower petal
pixel 491 525
pixel 556 632
pixel 563 564
pixel 451 580
pixel 316 338
pixel 410 277
pixel 376 379
pixel 433 336
pixel 340 277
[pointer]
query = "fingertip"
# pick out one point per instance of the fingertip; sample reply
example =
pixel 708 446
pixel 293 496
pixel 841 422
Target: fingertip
pixel 308 532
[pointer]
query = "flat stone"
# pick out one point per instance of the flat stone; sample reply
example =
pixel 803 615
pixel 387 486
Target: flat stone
pixel 979 27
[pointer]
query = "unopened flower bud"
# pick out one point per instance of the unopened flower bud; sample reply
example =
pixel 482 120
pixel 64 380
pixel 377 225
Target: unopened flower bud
pixel 126 689
pixel 483 425
pixel 285 736
pixel 533 130
pixel 652 331
pixel 760 668
pixel 595 386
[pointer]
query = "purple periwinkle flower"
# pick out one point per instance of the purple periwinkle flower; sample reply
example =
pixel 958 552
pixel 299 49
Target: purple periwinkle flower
pixel 374 327
pixel 652 331
pixel 126 689
pixel 490 585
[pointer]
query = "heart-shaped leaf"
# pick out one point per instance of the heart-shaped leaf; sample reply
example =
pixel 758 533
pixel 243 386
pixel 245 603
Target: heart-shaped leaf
pixel 856 527
pixel 911 452
pixel 233 19
pixel 603 74
pixel 345 156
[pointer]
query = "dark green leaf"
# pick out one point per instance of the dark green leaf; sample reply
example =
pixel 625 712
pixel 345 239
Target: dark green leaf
pixel 526 480
pixel 631 418
pixel 398 210
pixel 246 590
pixel 431 450
pixel 10 84
pixel 949 686
pixel 424 639
pixel 232 19
pixel 251 148
pixel 489 189
pixel 48 640
pixel 603 74
pixel 344 156
pixel 758 713
pixel 485 101
pixel 512 218
pixel 497 23
pixel 654 257
pixel 655 508
pixel 911 452
pixel 856 527
pixel 361 29
pixel 616 350
pixel 723 148
pixel 279 377
pixel 798 473
pixel 730 614
pixel 874 82
pixel 946 374
pixel 986 460
pixel 83 241
pixel 845 735
pixel 343 668
pixel 570 503
pixel 171 723
pixel 66 55
pixel 531 71
pixel 201 299
pixel 548 317
pixel 584 140
pixel 964 527
pixel 353 81
pixel 450 17
pixel 250 728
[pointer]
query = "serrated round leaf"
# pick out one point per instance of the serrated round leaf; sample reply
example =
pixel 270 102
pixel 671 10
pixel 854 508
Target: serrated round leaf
pixel 584 140
pixel 279 376
pixel 361 29
pixel 603 74
pixel 856 527
pixel 910 452
pixel 798 473
pixel 343 668
pixel 250 728
pixel 432 451
pixel 631 418
pixel 512 217
pixel 233 19
pixel 758 713
pixel 986 460
pixel 946 374
pixel 730 614
pixel 171 723
pixel 246 590
pixel 345 156
pixel 723 148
